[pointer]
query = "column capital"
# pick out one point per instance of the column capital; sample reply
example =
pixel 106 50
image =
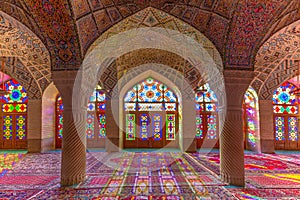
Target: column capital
pixel 236 84
pixel 242 77
pixel 66 77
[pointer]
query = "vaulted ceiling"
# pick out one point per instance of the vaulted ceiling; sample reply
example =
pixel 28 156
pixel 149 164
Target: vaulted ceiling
pixel 236 27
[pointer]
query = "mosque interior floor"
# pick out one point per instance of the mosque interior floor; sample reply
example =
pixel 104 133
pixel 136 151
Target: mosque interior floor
pixel 148 175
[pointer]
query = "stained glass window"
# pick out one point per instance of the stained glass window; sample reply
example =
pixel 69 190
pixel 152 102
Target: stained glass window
pixel 205 94
pixel 96 111
pixel 20 129
pixel 279 128
pixel 144 126
pixel 285 109
pixel 199 126
pixel 144 102
pixel 206 114
pixel 130 127
pixel 293 128
pixel 283 94
pixel 14 109
pixel 250 112
pixel 102 125
pixel 59 117
pixel 7 127
pixel 96 115
pixel 148 92
pixel 90 126
pixel 16 92
pixel 211 127
pixel 157 127
pixel 170 122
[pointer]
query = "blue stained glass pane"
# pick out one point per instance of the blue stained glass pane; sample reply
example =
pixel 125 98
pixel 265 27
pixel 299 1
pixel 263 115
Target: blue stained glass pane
pixel 283 94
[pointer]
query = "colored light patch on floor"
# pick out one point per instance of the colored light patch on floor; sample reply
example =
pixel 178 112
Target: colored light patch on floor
pixel 113 187
pixel 26 180
pixel 163 175
pixel 192 178
pixel 142 186
pixel 272 181
pixel 292 177
pixel 255 193
pixel 253 162
pixel 245 196
pixel 7 161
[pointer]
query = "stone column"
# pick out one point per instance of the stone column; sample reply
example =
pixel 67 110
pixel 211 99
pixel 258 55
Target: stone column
pixel 112 128
pixel 189 143
pixel 231 139
pixel 266 126
pixel 73 162
pixel 34 120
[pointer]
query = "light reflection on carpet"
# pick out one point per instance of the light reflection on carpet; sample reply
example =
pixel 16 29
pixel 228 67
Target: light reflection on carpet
pixel 7 161
pixel 148 176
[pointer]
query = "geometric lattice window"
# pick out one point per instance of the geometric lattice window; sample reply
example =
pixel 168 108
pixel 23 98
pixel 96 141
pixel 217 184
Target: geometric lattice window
pixel 14 115
pixel 286 111
pixel 148 105
pixel 206 114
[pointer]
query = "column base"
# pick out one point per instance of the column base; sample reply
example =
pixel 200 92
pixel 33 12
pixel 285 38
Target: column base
pixel 267 146
pixel 189 145
pixel 69 181
pixel 112 145
pixel 34 145
pixel 236 181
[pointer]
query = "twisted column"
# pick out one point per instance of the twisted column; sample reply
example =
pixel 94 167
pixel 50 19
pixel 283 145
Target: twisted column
pixel 73 162
pixel 232 136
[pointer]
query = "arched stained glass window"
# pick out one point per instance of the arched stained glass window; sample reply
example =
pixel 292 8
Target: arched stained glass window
pixel 14 116
pixel 150 114
pixel 251 118
pixel 286 111
pixel 206 116
pixel 95 120
pixel 96 111
pixel 284 102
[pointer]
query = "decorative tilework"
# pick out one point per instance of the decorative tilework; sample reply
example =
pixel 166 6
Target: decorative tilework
pixel 151 17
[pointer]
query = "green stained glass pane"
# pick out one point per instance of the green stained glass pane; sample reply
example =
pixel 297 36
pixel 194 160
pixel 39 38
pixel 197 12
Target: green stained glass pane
pixel 130 127
pixel 7 127
pixel 102 126
pixel 199 126
pixel 21 127
pixel 171 127
pixel 288 110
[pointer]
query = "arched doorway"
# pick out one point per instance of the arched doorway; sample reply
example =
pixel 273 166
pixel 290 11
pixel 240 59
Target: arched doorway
pixel 13 115
pixel 206 118
pixel 286 114
pixel 151 116
pixel 251 120
pixel 95 120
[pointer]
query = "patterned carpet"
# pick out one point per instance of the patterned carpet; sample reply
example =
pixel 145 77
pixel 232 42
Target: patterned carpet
pixel 152 176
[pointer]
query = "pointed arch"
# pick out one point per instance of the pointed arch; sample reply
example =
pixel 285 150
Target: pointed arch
pixel 164 82
pixel 277 60
pixel 158 19
pixel 19 42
